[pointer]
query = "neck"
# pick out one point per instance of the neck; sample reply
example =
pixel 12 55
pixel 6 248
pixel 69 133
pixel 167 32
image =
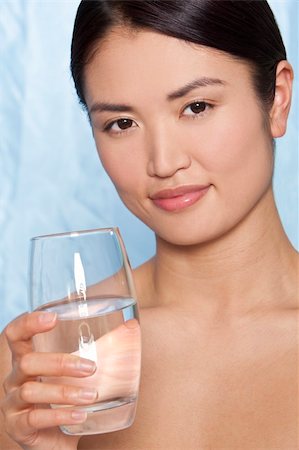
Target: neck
pixel 251 267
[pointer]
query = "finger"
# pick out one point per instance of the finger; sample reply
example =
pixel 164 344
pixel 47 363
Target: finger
pixel 36 364
pixel 40 393
pixel 21 426
pixel 20 331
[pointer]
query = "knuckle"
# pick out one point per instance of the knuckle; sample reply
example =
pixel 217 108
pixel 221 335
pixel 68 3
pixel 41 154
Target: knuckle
pixel 22 321
pixel 8 332
pixel 65 392
pixel 32 418
pixel 26 320
pixel 62 363
pixel 25 363
pixel 26 391
pixel 59 416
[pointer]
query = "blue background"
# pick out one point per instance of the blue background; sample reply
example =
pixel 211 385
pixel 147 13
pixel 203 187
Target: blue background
pixel 51 178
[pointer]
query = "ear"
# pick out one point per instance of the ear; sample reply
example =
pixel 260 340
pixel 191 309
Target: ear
pixel 282 101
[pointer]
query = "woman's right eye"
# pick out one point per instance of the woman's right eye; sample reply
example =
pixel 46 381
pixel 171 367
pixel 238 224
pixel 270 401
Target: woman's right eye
pixel 120 126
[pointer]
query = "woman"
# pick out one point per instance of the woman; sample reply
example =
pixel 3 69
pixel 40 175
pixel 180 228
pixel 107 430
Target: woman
pixel 184 100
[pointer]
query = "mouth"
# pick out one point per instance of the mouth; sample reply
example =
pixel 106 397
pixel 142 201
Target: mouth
pixel 176 199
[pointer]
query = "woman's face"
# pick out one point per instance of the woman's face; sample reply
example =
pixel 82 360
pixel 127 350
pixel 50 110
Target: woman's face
pixel 179 131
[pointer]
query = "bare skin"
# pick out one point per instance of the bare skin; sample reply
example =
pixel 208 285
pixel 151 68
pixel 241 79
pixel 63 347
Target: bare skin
pixel 219 301
pixel 217 376
pixel 212 379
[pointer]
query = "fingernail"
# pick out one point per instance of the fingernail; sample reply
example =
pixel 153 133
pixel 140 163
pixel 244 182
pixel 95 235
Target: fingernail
pixel 88 393
pixel 79 416
pixel 47 317
pixel 87 366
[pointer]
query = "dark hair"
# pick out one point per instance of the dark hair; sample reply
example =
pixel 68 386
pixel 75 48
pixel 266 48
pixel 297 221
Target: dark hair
pixel 245 29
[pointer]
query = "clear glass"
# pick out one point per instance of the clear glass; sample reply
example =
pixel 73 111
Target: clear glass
pixel 85 277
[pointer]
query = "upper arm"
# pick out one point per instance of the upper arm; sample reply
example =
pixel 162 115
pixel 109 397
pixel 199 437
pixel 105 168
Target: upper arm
pixel 5 367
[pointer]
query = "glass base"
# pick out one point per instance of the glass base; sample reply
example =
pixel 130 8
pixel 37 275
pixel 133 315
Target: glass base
pixel 104 417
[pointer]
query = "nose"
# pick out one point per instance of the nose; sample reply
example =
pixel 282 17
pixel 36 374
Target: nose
pixel 166 153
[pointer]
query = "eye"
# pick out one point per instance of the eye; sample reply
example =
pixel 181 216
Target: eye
pixel 120 125
pixel 196 108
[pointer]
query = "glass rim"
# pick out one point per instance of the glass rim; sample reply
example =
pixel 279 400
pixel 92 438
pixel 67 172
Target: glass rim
pixel 77 233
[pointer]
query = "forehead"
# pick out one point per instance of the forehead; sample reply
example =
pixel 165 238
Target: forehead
pixel 129 62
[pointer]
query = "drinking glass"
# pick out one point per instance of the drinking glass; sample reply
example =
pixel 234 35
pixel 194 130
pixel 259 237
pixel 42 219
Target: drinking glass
pixel 85 277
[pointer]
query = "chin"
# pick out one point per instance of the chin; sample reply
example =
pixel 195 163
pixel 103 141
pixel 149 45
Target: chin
pixel 184 238
pixel 185 235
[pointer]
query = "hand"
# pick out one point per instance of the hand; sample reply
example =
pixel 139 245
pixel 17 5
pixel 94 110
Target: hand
pixel 28 418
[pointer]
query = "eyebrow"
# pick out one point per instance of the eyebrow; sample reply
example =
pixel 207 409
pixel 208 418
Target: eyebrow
pixel 181 92
pixel 110 107
pixel 198 83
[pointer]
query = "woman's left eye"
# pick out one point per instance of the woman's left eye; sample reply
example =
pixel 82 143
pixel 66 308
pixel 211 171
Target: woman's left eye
pixel 196 108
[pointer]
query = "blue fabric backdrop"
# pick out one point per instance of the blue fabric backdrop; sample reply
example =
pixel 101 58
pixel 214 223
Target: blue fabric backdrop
pixel 51 178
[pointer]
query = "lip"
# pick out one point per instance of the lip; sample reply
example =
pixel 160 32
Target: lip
pixel 175 199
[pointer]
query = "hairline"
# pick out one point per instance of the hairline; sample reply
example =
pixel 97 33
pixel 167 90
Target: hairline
pixel 124 26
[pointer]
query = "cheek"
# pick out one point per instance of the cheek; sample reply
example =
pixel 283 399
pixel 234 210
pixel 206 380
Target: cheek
pixel 239 153
pixel 111 165
pixel 123 170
